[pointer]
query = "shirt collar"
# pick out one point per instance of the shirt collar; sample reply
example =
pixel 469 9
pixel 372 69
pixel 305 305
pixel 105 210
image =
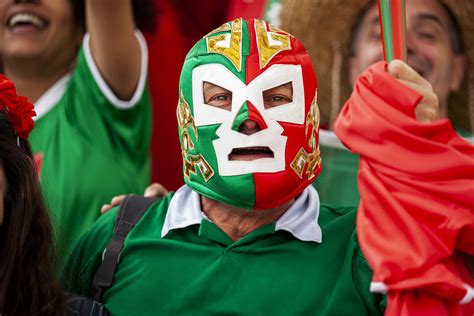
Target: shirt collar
pixel 301 219
pixel 51 97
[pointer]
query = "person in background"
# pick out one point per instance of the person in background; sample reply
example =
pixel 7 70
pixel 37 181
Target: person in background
pixel 84 66
pixel 27 281
pixel 440 48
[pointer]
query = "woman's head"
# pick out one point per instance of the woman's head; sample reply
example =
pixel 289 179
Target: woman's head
pixel 16 163
pixel 17 169
pixel 27 284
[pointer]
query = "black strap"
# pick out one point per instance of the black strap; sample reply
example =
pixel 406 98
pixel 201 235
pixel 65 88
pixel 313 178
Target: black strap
pixel 130 211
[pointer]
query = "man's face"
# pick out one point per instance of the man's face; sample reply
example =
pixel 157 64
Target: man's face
pixel 42 29
pixel 248 116
pixel 430 51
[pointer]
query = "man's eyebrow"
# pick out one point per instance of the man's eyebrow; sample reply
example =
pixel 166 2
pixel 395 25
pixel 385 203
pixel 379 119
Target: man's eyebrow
pixel 374 20
pixel 429 17
pixel 209 86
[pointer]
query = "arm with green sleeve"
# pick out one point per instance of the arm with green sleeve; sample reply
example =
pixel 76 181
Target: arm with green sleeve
pixel 86 256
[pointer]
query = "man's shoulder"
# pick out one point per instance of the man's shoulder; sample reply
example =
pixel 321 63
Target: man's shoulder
pixel 338 225
pixel 329 213
pixel 87 254
pixel 154 214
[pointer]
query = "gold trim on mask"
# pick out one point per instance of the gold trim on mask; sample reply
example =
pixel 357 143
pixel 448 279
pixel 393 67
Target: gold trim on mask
pixel 267 50
pixel 190 161
pixel 199 161
pixel 313 159
pixel 232 50
pixel 223 28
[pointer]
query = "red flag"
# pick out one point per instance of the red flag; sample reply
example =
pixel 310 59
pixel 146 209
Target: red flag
pixel 416 182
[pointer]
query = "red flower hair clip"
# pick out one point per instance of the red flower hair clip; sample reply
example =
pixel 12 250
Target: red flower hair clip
pixel 18 108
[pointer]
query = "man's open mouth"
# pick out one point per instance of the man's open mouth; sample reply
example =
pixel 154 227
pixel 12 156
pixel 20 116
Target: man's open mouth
pixel 251 153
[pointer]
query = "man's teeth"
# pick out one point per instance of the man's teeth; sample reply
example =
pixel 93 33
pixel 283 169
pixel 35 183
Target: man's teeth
pixel 26 18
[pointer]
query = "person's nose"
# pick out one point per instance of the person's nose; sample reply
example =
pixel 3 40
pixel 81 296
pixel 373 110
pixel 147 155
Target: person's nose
pixel 249 120
pixel 249 127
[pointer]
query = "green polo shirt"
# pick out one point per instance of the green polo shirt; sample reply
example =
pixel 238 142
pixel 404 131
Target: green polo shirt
pixel 197 269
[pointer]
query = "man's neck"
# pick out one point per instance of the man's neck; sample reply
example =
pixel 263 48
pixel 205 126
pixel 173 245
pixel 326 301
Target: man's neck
pixel 238 222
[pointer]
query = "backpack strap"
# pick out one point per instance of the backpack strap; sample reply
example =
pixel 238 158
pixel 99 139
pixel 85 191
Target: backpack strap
pixel 130 211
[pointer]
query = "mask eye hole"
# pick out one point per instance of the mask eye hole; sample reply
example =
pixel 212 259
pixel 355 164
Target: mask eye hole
pixel 277 96
pixel 217 96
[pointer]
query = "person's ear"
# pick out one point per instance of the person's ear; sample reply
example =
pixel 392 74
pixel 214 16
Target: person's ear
pixel 459 71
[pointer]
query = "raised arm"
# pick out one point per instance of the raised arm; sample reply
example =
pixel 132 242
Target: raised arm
pixel 113 44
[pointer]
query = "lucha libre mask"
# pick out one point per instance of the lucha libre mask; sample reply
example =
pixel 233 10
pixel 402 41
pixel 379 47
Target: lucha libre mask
pixel 279 156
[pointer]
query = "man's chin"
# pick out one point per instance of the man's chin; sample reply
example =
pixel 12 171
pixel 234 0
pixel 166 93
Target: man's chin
pixel 23 50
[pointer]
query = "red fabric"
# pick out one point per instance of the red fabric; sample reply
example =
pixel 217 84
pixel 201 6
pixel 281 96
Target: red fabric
pixel 18 108
pixel 246 9
pixel 180 25
pixel 416 183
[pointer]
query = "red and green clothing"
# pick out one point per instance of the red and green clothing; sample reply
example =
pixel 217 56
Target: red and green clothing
pixel 183 267
pixel 89 146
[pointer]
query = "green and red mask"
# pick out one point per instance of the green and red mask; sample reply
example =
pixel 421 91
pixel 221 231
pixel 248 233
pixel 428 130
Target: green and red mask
pixel 248 58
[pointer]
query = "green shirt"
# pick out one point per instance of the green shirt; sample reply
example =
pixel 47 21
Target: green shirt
pixel 89 146
pixel 337 183
pixel 198 270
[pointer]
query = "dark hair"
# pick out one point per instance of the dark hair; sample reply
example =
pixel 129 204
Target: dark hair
pixel 454 30
pixel 27 281
pixel 144 11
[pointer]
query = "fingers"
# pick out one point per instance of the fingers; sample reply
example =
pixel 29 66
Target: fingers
pixel 401 70
pixel 156 190
pixel 116 200
pixel 427 111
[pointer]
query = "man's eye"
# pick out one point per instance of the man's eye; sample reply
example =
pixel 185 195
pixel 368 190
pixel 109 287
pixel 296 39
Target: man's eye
pixel 277 96
pixel 221 101
pixel 376 36
pixel 221 97
pixel 427 35
pixel 217 96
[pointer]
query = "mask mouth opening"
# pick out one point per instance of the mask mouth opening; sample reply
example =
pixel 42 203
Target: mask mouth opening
pixel 251 153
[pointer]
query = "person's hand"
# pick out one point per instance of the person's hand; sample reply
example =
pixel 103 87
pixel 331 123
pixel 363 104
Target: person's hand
pixel 154 190
pixel 427 110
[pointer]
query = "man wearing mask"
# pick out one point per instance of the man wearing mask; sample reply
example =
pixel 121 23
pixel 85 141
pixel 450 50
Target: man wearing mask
pixel 247 233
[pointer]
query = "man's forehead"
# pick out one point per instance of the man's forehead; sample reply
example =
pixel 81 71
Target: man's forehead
pixel 431 11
